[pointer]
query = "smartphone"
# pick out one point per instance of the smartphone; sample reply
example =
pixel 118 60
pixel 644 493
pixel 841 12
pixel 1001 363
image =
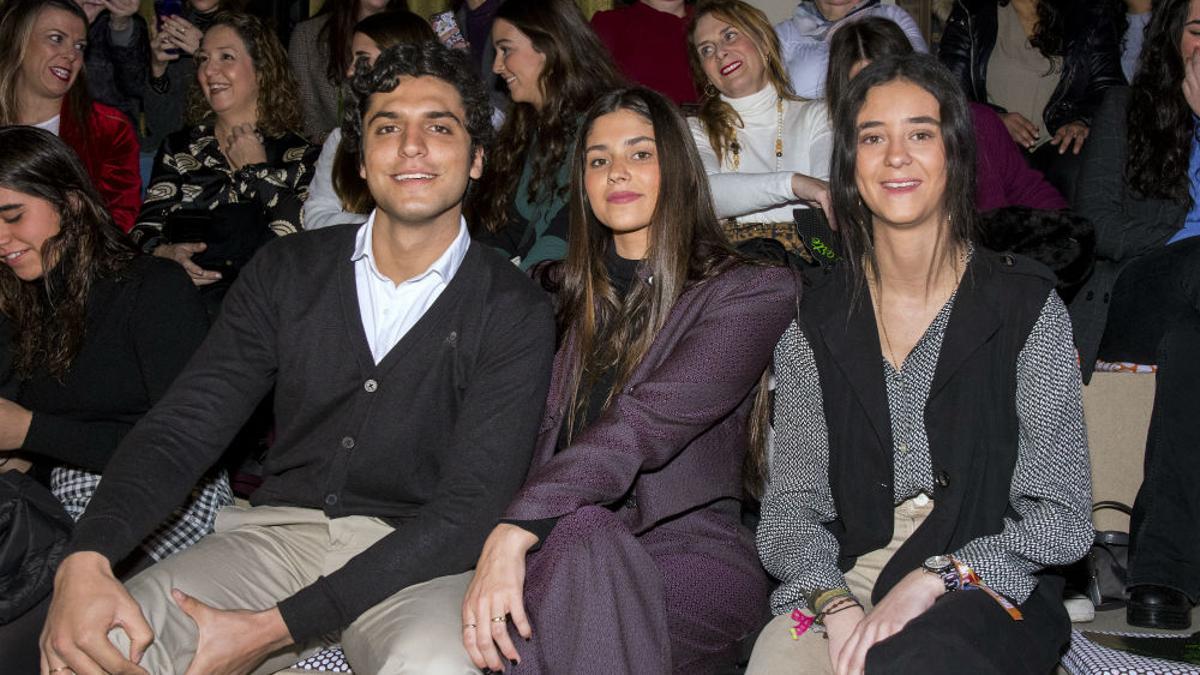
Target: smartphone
pixel 165 8
pixel 448 32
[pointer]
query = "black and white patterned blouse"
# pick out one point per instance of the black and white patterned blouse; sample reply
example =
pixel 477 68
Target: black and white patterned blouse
pixel 190 173
pixel 1051 485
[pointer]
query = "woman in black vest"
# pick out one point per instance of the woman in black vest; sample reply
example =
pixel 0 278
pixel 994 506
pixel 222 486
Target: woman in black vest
pixel 930 456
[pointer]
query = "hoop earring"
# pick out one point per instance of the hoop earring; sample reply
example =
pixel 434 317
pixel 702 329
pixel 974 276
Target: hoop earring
pixel 710 91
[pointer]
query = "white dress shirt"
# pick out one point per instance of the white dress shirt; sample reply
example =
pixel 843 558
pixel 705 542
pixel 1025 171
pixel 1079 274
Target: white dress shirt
pixel 389 310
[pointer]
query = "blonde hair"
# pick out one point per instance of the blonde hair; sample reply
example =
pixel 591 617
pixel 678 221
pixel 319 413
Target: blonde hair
pixel 16 21
pixel 719 118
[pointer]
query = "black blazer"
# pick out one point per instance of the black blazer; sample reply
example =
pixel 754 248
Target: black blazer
pixel 1091 62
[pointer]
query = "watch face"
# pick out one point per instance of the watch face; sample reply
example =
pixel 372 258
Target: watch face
pixel 937 563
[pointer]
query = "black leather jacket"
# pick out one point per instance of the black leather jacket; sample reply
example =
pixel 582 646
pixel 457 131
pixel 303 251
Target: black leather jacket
pixel 1091 64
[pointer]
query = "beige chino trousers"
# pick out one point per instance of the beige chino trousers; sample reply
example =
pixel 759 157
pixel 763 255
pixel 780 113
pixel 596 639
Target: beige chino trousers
pixel 262 554
pixel 776 653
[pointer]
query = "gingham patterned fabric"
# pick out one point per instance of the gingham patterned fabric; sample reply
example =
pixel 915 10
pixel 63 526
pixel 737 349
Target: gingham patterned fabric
pixel 331 660
pixel 75 487
pixel 1088 658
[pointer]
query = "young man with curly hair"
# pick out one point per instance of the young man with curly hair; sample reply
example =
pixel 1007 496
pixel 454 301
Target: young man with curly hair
pixel 404 359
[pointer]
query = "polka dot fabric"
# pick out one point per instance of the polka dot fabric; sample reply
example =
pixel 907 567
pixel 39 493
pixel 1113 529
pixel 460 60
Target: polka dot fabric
pixel 328 661
pixel 1088 658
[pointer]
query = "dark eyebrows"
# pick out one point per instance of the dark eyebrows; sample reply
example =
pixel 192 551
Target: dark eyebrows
pixel 10 207
pixel 431 115
pixel 628 142
pixel 923 119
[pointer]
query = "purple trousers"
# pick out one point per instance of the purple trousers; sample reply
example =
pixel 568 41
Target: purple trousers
pixel 676 598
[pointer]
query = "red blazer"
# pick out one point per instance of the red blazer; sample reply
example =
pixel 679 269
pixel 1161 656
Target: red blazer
pixel 109 150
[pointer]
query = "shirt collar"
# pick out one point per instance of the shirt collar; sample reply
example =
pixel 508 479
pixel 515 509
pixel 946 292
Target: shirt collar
pixel 444 267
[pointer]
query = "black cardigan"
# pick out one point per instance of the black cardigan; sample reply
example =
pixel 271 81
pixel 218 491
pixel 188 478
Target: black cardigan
pixel 436 438
pixel 140 331
pixel 1091 61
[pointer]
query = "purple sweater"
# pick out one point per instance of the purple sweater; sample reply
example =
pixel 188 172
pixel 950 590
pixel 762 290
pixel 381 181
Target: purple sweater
pixel 1003 177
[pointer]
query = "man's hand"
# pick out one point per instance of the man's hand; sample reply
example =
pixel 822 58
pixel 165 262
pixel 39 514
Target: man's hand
pixel 232 642
pixel 182 254
pixel 1070 133
pixel 906 601
pixel 497 590
pixel 88 602
pixel 14 424
pixel 1024 132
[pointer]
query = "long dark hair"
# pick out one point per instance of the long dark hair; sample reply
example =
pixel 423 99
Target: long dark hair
pixel 1050 36
pixel 16 25
pixel 687 246
pixel 1160 124
pixel 339 30
pixel 48 317
pixel 577 71
pixel 958 138
pixel 867 39
pixel 387 29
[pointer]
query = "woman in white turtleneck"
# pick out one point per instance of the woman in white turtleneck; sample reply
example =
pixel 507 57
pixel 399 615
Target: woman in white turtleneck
pixel 766 151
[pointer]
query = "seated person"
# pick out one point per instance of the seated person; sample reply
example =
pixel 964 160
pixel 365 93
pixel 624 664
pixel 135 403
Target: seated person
pixel 116 55
pixel 765 150
pixel 1043 65
pixel 648 41
pixel 1139 185
pixel 632 506
pixel 805 36
pixel 337 193
pixel 91 336
pixel 930 455
pixel 1004 177
pixel 41 66
pixel 408 365
pixel 172 68
pixel 554 67
pixel 238 176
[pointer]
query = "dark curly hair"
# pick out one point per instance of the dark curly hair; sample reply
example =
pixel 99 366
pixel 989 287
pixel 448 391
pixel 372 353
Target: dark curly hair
pixel 1160 124
pixel 386 29
pixel 421 59
pixel 577 71
pixel 1050 37
pixel 48 317
pixel 958 137
pixel 278 92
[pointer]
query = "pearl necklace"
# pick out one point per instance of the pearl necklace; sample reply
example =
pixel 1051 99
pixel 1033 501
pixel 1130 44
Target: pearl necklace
pixel 735 148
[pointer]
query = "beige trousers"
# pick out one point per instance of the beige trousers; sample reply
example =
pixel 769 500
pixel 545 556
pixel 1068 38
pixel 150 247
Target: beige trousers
pixel 776 653
pixel 260 555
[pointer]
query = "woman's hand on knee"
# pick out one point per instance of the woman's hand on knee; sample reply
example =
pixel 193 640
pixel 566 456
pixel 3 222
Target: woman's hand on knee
pixel 496 593
pixel 182 254
pixel 907 600
pixel 839 628
pixel 88 602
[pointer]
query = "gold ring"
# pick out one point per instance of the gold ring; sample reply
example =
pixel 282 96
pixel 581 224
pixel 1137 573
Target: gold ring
pixel 503 618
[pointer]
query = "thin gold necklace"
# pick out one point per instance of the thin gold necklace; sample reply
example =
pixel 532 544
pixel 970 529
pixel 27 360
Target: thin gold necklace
pixel 735 148
pixel 963 256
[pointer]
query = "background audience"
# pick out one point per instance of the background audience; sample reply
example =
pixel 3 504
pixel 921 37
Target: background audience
pixel 765 150
pixel 1139 185
pixel 41 64
pixel 91 334
pixel 338 194
pixel 1043 65
pixel 319 52
pixel 238 175
pixel 648 41
pixel 116 55
pixel 555 68
pixel 805 37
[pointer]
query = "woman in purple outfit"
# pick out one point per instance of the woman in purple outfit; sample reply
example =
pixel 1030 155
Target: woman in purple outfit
pixel 624 551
